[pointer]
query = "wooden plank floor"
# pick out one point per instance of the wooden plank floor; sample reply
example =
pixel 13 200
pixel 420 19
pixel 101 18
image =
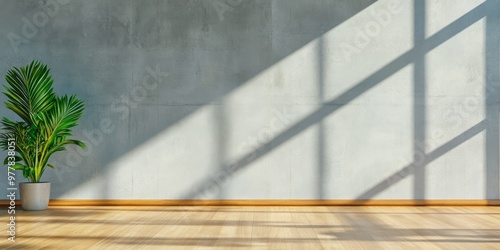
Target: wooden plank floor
pixel 257 227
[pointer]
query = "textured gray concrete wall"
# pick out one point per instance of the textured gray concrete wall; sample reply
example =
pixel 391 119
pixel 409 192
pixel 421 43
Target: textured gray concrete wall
pixel 269 99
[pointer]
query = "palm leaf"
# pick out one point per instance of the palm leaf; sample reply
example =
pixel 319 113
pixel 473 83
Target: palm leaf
pixel 58 121
pixel 29 91
pixel 57 124
pixel 47 119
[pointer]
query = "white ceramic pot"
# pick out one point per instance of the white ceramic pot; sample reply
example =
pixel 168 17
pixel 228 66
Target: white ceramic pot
pixel 34 196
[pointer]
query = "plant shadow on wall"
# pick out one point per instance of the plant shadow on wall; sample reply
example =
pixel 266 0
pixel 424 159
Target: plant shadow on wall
pixel 47 123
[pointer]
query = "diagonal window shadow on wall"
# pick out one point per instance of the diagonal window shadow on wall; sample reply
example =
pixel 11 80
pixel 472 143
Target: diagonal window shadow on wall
pixel 260 39
pixel 490 125
pixel 422 160
pixel 332 106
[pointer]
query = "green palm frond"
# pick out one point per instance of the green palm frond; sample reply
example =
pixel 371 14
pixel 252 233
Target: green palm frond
pixel 11 128
pixel 47 123
pixel 59 122
pixel 29 91
pixel 63 116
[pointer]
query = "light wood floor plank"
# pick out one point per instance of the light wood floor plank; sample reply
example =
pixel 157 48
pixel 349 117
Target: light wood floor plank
pixel 256 227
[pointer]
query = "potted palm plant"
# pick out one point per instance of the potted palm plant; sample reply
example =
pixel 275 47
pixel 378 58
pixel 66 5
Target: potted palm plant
pixel 45 127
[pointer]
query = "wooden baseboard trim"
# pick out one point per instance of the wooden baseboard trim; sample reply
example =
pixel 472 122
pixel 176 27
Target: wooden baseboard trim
pixel 267 203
